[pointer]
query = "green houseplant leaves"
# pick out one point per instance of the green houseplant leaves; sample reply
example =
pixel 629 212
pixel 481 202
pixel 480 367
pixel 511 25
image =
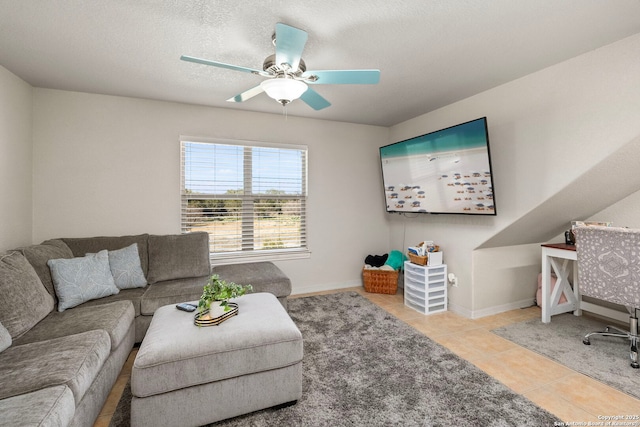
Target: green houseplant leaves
pixel 220 290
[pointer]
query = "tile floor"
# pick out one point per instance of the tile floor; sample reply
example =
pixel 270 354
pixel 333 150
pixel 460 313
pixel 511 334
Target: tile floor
pixel 571 396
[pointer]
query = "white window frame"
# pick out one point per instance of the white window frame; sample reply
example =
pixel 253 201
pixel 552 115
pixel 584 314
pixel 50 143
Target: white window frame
pixel 248 254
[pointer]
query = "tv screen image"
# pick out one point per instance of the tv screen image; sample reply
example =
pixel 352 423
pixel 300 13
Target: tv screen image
pixel 447 171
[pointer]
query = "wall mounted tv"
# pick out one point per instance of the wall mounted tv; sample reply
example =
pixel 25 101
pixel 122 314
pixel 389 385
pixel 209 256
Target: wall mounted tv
pixel 442 172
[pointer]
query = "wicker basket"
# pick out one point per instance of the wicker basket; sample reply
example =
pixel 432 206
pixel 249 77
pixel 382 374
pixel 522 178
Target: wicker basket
pixel 380 281
pixel 417 259
pixel 421 260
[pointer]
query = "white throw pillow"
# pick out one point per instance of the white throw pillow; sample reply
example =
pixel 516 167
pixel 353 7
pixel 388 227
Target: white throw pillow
pixel 78 280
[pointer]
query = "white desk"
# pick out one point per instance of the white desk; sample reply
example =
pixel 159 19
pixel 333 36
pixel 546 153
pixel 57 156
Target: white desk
pixel 558 258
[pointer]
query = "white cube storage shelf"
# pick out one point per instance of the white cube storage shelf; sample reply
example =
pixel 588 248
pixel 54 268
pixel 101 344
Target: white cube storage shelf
pixel 425 288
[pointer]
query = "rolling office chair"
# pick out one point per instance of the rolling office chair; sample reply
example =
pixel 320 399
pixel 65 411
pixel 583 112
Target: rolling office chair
pixel 609 270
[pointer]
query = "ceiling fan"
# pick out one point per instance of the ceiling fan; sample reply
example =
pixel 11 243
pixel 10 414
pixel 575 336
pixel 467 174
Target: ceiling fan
pixel 287 74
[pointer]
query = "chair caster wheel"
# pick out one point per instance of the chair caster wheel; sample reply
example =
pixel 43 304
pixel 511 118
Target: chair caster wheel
pixel 586 342
pixel 635 365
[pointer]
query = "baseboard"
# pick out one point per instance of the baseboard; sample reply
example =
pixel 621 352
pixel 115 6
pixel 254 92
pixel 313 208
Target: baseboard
pixel 464 312
pixel 586 306
pixel 477 314
pixel 326 287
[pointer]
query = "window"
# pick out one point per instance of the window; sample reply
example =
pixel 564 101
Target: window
pixel 249 198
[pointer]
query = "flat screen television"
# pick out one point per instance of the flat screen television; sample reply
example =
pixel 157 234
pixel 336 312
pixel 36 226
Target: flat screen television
pixel 442 172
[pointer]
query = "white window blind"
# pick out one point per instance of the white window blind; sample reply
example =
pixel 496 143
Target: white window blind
pixel 249 197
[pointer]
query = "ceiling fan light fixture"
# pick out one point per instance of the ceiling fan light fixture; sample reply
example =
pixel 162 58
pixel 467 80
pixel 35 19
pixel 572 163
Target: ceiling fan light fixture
pixel 284 90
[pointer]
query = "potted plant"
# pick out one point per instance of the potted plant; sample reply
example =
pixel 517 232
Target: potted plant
pixel 218 290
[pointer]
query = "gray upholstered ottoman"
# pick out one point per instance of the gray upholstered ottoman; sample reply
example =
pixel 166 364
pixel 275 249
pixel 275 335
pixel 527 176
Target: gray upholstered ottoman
pixel 185 375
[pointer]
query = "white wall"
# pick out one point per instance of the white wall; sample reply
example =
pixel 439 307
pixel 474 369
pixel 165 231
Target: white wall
pixel 107 165
pixel 15 161
pixel 546 129
pixel 511 273
pixel 625 213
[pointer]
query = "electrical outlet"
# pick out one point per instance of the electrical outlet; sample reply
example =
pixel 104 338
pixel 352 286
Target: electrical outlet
pixel 453 280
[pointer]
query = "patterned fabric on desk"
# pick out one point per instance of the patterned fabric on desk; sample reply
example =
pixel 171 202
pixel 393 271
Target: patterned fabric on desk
pixel 609 264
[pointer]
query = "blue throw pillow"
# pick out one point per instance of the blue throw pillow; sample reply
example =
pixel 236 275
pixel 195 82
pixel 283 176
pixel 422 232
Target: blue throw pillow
pixel 5 338
pixel 78 280
pixel 126 268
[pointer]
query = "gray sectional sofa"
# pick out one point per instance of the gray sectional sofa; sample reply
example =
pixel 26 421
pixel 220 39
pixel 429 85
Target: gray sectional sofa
pixel 63 342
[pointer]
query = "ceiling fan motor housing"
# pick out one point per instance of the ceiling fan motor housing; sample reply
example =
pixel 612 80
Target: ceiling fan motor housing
pixel 269 65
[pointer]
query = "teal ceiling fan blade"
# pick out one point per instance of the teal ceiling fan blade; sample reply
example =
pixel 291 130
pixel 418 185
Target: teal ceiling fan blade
pixel 342 77
pixel 290 43
pixel 288 69
pixel 223 65
pixel 314 100
pixel 247 94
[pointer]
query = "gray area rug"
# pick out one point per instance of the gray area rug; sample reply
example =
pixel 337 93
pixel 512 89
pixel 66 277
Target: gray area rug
pixel 606 359
pixel 364 367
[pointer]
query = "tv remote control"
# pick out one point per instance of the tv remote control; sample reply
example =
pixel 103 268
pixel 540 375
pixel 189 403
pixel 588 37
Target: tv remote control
pixel 186 307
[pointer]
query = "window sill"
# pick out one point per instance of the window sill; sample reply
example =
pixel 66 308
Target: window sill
pixel 258 256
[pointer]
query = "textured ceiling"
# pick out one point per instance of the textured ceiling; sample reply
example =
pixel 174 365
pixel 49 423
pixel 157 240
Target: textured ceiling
pixel 430 52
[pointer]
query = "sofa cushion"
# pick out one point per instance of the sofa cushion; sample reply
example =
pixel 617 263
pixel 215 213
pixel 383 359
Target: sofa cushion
pixel 126 268
pixel 78 280
pixel 24 301
pixel 38 255
pixel 115 318
pixel 262 276
pixel 171 292
pixel 73 360
pixel 5 338
pixel 133 295
pixel 83 245
pixel 178 256
pixel 48 407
